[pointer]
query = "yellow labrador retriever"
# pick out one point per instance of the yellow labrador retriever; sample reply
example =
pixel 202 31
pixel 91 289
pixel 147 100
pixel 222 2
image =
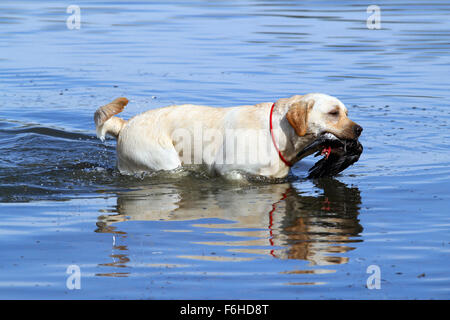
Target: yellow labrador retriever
pixel 262 139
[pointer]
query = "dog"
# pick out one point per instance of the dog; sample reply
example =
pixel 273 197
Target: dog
pixel 264 139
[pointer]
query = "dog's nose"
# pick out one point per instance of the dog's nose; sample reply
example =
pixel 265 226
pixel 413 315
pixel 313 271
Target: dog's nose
pixel 357 129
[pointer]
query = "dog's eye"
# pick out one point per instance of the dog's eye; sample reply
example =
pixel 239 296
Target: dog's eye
pixel 334 112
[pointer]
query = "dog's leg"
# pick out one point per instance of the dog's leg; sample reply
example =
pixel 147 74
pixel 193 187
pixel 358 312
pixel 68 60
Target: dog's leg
pixel 143 155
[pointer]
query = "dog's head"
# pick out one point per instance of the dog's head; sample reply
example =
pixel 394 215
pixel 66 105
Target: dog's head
pixel 316 114
pixel 321 124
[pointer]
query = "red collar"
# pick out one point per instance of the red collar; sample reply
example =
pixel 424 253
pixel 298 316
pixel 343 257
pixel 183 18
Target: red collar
pixel 274 142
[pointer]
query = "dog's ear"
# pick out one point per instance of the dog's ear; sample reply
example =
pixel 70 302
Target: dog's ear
pixel 297 116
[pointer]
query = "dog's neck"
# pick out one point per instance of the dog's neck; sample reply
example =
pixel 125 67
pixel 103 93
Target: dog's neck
pixel 289 143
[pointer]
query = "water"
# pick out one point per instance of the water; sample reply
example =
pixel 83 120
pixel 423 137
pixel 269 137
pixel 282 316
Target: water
pixel 188 236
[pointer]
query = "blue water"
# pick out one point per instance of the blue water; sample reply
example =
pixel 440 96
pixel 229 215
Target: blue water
pixel 186 236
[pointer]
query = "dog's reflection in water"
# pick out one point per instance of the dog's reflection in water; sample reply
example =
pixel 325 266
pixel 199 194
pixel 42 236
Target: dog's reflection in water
pixel 289 224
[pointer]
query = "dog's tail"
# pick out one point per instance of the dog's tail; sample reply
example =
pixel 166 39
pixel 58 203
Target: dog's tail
pixel 105 123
